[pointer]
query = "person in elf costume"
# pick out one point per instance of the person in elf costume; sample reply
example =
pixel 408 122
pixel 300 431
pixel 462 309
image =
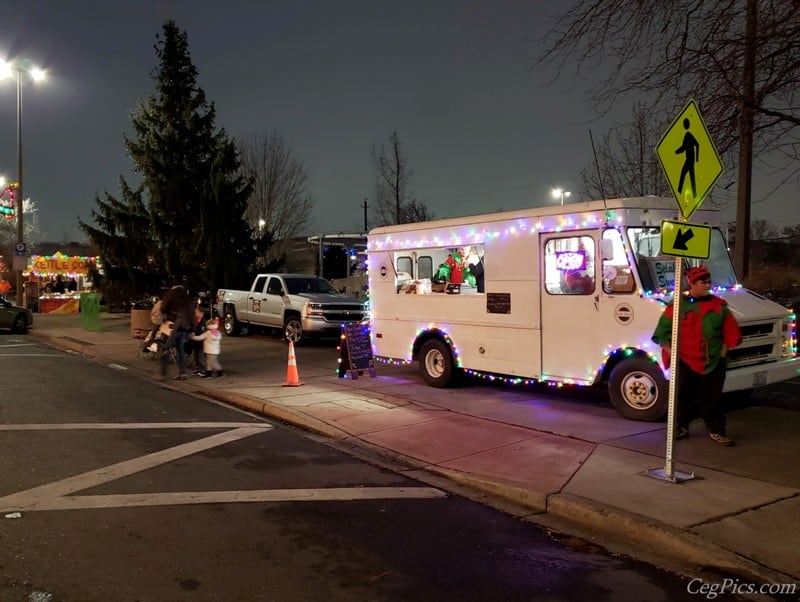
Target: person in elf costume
pixel 455 268
pixel 708 331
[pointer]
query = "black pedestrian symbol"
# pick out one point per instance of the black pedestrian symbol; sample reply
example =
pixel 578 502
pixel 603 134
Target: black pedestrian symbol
pixel 691 148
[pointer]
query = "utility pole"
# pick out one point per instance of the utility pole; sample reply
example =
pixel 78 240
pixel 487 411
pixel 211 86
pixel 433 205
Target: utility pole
pixel 365 213
pixel 741 254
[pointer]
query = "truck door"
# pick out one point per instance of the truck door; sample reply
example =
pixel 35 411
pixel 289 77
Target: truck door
pixel 255 299
pixel 272 306
pixel 572 337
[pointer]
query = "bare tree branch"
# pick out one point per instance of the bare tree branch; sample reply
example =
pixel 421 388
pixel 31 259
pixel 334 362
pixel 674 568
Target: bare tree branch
pixel 740 60
pixel 280 202
pixel 391 186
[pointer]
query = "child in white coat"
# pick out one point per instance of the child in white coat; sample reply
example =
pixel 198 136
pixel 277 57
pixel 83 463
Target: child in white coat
pixel 212 338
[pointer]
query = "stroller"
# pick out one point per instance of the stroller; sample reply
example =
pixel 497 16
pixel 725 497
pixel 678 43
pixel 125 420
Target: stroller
pixel 155 343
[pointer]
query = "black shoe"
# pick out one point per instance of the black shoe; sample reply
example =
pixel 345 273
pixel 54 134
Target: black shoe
pixel 219 373
pixel 681 432
pixel 207 374
pixel 179 377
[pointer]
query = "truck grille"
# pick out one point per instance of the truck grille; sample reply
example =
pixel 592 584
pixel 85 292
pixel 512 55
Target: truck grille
pixel 760 343
pixel 347 312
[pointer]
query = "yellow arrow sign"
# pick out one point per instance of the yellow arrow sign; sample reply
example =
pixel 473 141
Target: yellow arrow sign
pixel 689 159
pixel 682 239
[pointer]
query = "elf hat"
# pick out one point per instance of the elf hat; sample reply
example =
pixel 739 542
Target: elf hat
pixel 696 273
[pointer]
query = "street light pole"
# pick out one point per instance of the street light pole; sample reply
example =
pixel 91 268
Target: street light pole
pixel 19 192
pixel 19 68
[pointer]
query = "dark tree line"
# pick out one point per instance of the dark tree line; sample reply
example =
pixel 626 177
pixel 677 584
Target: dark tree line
pixel 185 221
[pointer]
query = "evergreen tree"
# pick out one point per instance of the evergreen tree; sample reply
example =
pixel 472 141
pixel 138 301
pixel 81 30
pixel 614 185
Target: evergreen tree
pixel 122 234
pixel 230 243
pixel 190 207
pixel 172 150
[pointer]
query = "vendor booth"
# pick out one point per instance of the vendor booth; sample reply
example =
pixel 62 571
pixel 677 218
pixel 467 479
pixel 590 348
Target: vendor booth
pixel 55 282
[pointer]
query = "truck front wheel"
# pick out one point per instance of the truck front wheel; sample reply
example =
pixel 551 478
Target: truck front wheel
pixel 436 363
pixel 638 390
pixel 230 324
pixel 293 329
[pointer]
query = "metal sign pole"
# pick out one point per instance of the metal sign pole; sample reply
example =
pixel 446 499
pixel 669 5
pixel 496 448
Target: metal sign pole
pixel 668 473
pixel 675 160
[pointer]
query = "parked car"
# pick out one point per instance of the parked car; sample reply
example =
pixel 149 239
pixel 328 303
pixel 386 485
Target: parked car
pixel 14 318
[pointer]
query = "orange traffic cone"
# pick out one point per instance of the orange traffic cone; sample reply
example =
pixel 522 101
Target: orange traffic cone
pixel 292 378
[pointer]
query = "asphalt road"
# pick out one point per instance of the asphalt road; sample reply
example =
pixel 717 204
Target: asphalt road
pixel 114 488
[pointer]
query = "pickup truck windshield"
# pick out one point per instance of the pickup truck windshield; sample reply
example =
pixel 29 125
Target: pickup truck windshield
pixel 299 286
pixel 657 271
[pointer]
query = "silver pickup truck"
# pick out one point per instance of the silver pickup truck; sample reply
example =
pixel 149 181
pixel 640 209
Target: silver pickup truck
pixel 300 304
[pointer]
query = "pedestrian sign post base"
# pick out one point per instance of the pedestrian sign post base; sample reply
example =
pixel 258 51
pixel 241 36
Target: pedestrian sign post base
pixel 677 475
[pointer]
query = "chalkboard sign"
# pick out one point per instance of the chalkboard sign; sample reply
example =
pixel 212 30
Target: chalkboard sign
pixel 498 303
pixel 355 351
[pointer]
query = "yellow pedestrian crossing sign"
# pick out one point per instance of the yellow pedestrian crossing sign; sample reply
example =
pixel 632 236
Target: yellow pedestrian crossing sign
pixel 689 159
pixel 683 239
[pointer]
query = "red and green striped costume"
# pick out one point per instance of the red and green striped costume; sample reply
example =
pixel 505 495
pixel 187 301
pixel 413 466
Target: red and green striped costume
pixel 706 324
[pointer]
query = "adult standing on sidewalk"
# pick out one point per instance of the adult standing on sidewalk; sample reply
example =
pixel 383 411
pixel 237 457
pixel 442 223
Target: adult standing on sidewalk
pixel 177 305
pixel 195 346
pixel 708 331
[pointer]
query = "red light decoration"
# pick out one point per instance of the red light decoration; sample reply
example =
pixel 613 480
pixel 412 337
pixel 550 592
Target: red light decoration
pixel 7 201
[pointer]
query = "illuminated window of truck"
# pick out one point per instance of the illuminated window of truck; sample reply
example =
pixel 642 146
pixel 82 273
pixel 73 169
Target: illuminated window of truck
pixel 617 275
pixel 453 270
pixel 569 265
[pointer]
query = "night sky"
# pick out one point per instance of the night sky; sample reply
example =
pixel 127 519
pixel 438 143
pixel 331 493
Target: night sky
pixel 482 130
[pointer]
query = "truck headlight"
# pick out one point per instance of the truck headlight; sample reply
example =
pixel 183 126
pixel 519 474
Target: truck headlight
pixel 312 309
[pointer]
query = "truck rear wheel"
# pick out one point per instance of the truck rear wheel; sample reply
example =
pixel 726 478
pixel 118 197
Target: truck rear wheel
pixel 638 390
pixel 436 363
pixel 293 329
pixel 230 324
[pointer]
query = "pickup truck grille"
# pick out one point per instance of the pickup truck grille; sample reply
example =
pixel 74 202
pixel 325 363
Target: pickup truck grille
pixel 761 342
pixel 343 312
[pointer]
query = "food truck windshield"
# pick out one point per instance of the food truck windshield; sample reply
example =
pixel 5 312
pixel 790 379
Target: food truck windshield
pixel 657 271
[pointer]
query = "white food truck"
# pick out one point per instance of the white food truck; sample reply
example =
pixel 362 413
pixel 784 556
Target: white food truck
pixel 568 295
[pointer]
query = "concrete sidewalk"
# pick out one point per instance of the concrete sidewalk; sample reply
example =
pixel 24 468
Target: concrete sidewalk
pixel 570 468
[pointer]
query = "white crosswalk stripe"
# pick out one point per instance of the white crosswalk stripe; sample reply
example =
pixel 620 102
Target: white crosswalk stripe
pixel 61 495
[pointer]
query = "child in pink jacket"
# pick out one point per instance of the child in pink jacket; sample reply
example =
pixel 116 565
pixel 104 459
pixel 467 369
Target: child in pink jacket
pixel 212 338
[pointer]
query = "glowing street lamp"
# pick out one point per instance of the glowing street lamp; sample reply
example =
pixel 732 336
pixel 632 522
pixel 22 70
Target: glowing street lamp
pixel 560 193
pixel 8 69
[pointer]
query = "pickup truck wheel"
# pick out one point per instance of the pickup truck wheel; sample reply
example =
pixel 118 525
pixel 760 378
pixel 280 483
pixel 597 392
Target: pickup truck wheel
pixel 638 390
pixel 230 324
pixel 436 363
pixel 293 329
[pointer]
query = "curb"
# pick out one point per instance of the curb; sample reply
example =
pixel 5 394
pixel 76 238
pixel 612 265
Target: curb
pixel 660 539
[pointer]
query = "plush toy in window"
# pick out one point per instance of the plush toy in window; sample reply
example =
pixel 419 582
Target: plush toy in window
pixel 455 268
